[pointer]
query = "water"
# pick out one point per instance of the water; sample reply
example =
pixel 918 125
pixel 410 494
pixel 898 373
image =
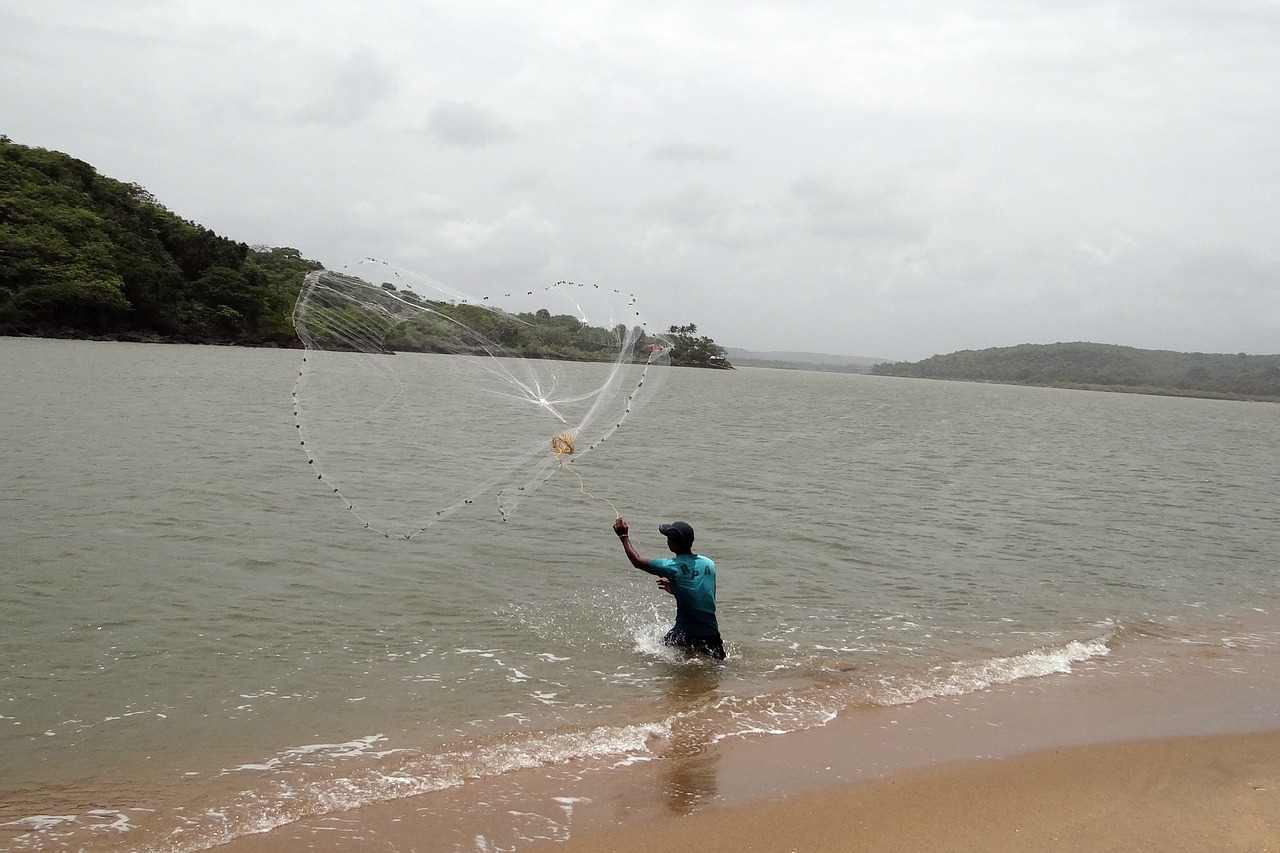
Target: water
pixel 200 642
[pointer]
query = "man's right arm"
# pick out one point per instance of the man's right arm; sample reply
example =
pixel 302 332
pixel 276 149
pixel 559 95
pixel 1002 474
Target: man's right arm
pixel 620 528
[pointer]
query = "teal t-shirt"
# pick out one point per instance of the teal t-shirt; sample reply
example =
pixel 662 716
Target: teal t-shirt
pixel 693 580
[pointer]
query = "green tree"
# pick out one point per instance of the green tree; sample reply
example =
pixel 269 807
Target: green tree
pixel 83 252
pixel 689 349
pixel 94 306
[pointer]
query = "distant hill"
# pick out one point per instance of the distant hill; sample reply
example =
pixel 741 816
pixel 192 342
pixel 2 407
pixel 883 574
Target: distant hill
pixel 87 256
pixel 801 360
pixel 84 255
pixel 1105 367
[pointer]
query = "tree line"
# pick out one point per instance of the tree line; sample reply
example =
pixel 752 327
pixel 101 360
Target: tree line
pixel 84 255
pixel 1106 367
pixel 342 312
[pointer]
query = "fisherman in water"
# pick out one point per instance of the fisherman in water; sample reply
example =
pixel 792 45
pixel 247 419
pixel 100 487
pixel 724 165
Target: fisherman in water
pixel 691 578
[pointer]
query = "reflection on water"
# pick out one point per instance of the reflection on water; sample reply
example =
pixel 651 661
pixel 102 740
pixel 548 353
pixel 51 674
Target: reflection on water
pixel 691 757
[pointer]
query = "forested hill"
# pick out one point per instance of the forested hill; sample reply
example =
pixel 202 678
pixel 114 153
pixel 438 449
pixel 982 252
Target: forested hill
pixel 83 255
pixel 86 256
pixel 1105 367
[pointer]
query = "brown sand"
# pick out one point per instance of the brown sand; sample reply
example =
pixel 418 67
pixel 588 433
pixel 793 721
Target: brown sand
pixel 1219 793
pixel 1165 747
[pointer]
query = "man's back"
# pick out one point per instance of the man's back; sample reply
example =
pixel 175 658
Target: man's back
pixel 693 583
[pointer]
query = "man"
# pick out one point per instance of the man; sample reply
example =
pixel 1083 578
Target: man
pixel 691 578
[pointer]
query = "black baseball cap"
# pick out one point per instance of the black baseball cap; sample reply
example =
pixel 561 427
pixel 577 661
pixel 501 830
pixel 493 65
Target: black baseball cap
pixel 679 529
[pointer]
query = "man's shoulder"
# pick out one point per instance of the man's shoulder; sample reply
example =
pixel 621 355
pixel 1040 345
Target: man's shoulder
pixel 687 561
pixel 663 563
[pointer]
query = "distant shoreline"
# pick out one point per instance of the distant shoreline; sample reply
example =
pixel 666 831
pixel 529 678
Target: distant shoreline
pixel 197 340
pixel 1163 392
pixel 145 338
pixel 1147 390
pixel 1144 390
pixel 1089 366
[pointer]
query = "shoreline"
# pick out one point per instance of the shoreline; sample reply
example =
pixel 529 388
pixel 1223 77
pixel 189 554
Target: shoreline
pixel 1066 385
pixel 1120 748
pixel 1113 756
pixel 11 331
pixel 137 337
pixel 1212 792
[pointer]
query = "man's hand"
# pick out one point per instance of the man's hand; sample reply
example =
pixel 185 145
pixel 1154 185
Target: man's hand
pixel 665 585
pixel 620 528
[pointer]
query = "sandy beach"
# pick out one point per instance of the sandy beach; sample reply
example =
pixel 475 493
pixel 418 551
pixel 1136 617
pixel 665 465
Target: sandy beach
pixel 1215 793
pixel 1134 753
pixel 1143 754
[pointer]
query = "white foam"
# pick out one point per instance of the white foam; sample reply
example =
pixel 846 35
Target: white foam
pixel 632 759
pixel 379 774
pixel 412 774
pixel 360 747
pixel 116 821
pixel 963 678
pixel 40 822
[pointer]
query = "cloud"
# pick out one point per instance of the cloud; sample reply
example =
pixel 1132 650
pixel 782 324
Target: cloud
pixel 467 125
pixel 691 153
pixel 875 178
pixel 350 92
pixel 828 207
pixel 474 255
pixel 1106 251
pixel 710 216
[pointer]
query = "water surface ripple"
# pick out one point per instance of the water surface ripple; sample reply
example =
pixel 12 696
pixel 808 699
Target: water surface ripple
pixel 199 642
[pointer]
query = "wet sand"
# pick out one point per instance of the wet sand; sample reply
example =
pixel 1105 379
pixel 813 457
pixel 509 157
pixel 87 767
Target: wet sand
pixel 1152 749
pixel 1206 794
pixel 1177 752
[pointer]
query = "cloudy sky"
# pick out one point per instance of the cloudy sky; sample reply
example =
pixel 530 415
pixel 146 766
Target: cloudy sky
pixel 880 178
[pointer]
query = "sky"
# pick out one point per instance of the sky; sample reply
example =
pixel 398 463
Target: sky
pixel 881 178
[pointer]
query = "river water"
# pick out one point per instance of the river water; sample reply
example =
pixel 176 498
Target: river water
pixel 199 641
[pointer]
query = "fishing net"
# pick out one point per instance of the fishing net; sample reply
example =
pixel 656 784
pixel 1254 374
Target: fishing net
pixel 415 401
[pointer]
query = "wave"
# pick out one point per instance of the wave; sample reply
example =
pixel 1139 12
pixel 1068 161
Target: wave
pixel 962 678
pixel 313 780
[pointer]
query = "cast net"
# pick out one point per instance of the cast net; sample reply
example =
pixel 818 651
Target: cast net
pixel 415 401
